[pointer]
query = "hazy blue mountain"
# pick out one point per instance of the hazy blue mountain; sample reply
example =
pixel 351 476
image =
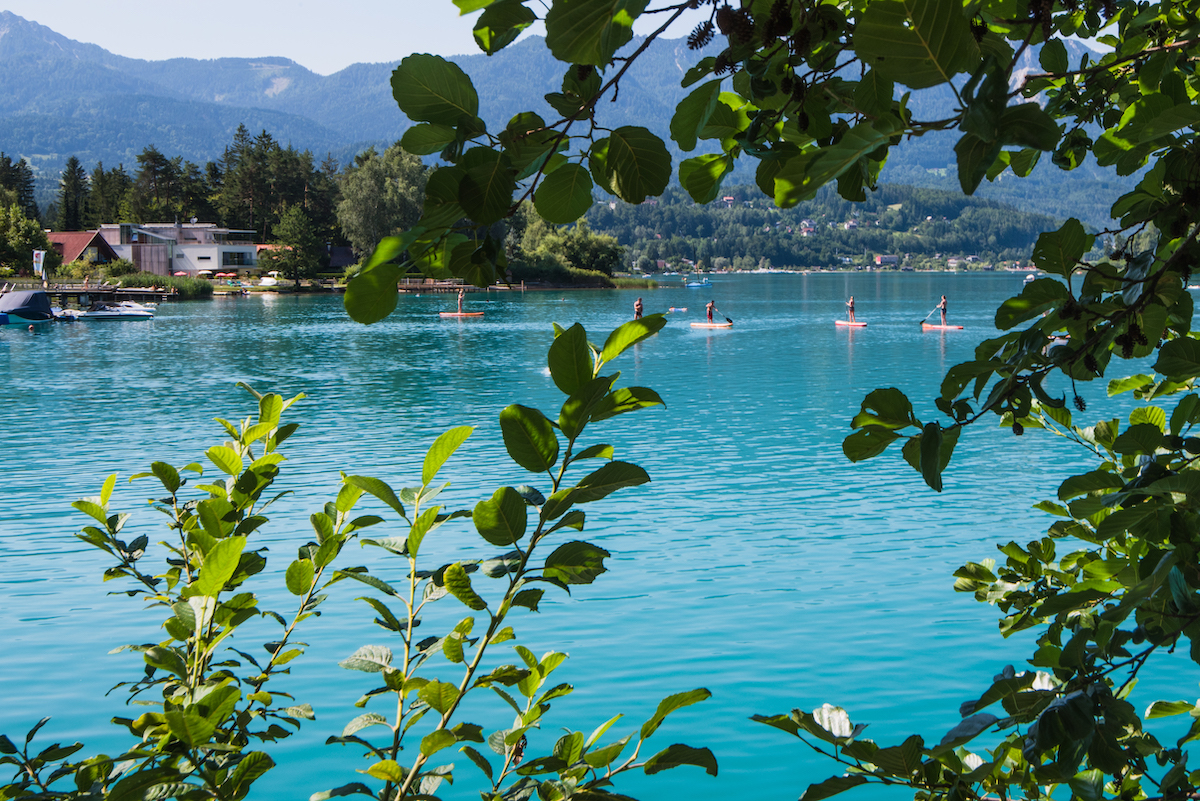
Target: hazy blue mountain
pixel 59 97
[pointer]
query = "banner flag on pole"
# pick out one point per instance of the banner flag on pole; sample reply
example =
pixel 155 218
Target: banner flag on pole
pixel 38 257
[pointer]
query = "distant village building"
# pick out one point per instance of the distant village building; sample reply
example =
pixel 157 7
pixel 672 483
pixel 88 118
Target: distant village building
pixel 167 248
pixel 882 260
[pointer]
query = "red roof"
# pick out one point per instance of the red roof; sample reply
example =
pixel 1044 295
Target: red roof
pixel 72 244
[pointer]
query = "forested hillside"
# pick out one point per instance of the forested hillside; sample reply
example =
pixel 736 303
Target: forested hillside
pixel 747 229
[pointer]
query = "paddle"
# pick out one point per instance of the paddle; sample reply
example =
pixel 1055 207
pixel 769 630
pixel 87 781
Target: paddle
pixel 931 311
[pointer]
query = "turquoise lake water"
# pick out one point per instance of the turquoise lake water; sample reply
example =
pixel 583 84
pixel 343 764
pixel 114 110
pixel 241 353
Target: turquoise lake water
pixel 758 563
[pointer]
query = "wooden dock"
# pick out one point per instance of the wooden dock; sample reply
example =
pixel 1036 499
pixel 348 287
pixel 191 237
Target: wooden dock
pixel 66 295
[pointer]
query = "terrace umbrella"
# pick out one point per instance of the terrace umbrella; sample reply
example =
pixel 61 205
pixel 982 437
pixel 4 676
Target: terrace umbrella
pixel 204 272
pixel 179 273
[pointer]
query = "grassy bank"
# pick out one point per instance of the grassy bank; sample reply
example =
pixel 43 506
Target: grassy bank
pixel 187 288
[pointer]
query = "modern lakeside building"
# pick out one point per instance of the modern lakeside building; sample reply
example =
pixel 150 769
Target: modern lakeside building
pixel 190 248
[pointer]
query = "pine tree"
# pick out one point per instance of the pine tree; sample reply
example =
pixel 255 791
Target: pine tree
pixel 72 196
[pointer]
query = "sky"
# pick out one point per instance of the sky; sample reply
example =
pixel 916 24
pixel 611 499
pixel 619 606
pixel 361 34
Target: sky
pixel 323 35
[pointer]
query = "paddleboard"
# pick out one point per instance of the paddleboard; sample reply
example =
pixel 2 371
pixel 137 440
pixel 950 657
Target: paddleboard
pixel 712 325
pixel 847 322
pixel 937 327
pixel 678 308
pixel 461 314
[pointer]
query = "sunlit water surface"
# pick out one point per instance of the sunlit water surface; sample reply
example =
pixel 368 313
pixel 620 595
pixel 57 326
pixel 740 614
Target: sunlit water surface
pixel 759 562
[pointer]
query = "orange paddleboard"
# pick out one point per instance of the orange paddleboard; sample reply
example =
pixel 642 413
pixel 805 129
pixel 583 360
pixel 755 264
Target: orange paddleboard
pixel 712 325
pixel 848 323
pixel 461 314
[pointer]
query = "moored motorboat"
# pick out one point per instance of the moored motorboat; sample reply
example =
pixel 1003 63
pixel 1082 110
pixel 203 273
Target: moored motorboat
pixel 25 307
pixel 106 310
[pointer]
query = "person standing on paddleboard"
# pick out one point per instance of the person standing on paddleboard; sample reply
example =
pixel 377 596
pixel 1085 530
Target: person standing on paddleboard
pixel 710 308
pixel 637 309
pixel 942 308
pixel 461 293
pixel 850 309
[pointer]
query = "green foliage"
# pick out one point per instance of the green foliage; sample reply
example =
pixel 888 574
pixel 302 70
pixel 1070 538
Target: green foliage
pixel 187 288
pixel 19 237
pixel 211 710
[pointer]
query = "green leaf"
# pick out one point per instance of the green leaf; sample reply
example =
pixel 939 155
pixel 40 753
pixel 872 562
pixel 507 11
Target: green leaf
pixel 919 43
pixel 631 163
pixel 379 489
pixel 459 584
pixel 1088 785
pixel 931 449
pixel 1035 298
pixel 670 704
pixel 190 727
pixel 575 563
pixel 577 410
pixel 364 721
pixel 868 442
pixel 439 695
pixel 702 176
pixel 590 31
pixel 1053 56
pixel 1027 125
pixel 874 93
pixel 219 565
pixel 1089 482
pixel 226 459
pixel 889 408
pixel 441 450
pixel 802 175
pixel 1132 382
pixel 570 360
pixel 485 192
pixel 388 771
pixel 1059 252
pixel 975 158
pixel 166 474
pixel 678 754
pixel 1141 438
pixel 625 399
pixel 501 520
pixel 529 438
pixel 252 767
pixel 431 89
pixel 369 659
pixel 1164 709
pixel 607 480
pixel 564 195
pixel 901 760
pixel 371 295
pixel 692 113
pixel 501 23
pixel 629 334
pixel 426 138
pixel 437 740
pixel 299 576
pixel 1179 359
pixel 831 787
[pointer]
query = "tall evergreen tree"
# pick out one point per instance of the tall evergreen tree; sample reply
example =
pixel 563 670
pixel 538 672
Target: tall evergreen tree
pixel 72 196
pixel 17 176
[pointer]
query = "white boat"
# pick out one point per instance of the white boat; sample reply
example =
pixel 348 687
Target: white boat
pixel 106 310
pixel 696 284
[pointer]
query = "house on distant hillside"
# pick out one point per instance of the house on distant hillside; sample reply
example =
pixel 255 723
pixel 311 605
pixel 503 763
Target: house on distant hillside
pixel 167 248
pixel 76 245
